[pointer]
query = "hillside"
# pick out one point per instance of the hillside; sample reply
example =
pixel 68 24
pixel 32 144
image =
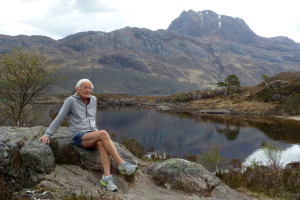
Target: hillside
pixel 198 50
pixel 278 96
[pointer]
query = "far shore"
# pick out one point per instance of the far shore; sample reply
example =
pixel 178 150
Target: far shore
pixel 158 103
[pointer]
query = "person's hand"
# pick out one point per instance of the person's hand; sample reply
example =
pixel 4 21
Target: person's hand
pixel 44 139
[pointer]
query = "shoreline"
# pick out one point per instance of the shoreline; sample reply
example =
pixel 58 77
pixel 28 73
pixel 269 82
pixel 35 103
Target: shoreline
pixel 158 103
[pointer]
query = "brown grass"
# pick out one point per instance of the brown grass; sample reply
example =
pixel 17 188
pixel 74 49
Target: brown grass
pixel 236 106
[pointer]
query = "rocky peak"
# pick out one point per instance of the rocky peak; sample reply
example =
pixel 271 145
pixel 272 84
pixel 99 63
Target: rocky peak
pixel 143 40
pixel 209 24
pixel 8 42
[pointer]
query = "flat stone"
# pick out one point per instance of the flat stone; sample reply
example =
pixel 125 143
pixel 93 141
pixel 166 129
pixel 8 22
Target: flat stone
pixel 215 111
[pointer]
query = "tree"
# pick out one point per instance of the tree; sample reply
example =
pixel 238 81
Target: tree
pixel 272 153
pixel 24 77
pixel 212 160
pixel 229 82
pixel 266 79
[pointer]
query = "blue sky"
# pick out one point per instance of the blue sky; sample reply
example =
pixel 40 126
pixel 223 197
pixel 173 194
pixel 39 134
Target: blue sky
pixel 59 18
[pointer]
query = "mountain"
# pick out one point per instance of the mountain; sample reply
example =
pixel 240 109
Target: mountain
pixel 198 50
pixel 207 24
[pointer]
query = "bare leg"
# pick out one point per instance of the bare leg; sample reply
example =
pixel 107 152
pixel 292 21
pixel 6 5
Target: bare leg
pixel 90 140
pixel 104 158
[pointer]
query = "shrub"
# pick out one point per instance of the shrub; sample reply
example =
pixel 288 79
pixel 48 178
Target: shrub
pixel 182 97
pixel 265 95
pixel 273 154
pixel 133 146
pixel 212 160
pixel 292 104
pixel 233 176
pixel 190 157
pixel 283 183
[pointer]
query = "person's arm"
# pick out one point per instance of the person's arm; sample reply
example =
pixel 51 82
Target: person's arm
pixel 64 111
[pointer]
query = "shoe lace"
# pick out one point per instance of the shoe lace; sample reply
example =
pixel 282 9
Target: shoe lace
pixel 125 165
pixel 110 180
pixel 122 166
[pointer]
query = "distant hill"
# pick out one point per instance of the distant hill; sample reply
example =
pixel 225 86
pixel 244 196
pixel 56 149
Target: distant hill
pixel 198 50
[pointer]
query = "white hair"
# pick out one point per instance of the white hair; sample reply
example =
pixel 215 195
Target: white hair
pixel 79 83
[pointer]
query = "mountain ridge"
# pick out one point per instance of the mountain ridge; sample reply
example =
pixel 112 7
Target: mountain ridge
pixel 207 23
pixel 142 61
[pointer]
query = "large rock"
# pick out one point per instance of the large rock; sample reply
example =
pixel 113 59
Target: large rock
pixel 37 156
pixel 22 158
pixel 66 152
pixel 191 178
pixel 62 170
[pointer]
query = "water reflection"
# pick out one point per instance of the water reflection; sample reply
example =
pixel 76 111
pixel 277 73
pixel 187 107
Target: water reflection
pixel 179 133
pixel 290 154
pixel 230 132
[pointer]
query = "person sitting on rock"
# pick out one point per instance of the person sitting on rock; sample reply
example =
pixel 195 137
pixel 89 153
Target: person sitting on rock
pixel 81 110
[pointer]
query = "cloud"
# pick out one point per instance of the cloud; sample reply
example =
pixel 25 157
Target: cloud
pixel 59 18
pixel 68 17
pixel 26 1
pixel 295 32
pixel 93 6
pixel 296 28
pixel 62 7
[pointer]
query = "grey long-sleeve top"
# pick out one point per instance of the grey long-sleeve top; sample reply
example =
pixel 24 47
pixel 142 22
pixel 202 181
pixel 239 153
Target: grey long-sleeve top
pixel 82 118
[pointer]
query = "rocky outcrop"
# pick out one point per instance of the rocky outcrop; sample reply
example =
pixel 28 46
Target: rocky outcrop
pixel 67 153
pixel 215 111
pixel 62 170
pixel 22 158
pixel 24 161
pixel 191 178
pixel 207 23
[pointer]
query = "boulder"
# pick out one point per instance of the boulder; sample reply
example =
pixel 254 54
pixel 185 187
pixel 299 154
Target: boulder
pixel 192 178
pixel 63 170
pixel 163 108
pixel 66 152
pixel 25 161
pixel 22 158
pixel 5 154
pixel 72 179
pixel 37 156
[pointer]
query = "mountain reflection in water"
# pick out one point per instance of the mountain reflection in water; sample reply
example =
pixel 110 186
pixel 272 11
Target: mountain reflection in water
pixel 179 133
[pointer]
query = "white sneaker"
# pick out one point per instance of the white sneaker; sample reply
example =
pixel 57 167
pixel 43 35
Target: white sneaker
pixel 108 182
pixel 127 168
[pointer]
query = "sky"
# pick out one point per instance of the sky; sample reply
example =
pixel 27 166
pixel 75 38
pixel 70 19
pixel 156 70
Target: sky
pixel 60 18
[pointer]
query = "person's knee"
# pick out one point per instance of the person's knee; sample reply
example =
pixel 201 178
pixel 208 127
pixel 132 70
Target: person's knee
pixel 99 144
pixel 104 135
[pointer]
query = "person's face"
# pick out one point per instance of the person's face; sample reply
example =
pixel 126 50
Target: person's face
pixel 85 90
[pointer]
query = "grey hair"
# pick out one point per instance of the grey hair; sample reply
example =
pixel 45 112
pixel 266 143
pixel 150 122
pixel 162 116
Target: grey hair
pixel 79 83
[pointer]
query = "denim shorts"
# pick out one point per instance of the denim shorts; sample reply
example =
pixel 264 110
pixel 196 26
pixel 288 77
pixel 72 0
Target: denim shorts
pixel 77 139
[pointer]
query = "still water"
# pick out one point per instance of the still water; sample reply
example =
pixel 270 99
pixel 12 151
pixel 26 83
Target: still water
pixel 179 133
